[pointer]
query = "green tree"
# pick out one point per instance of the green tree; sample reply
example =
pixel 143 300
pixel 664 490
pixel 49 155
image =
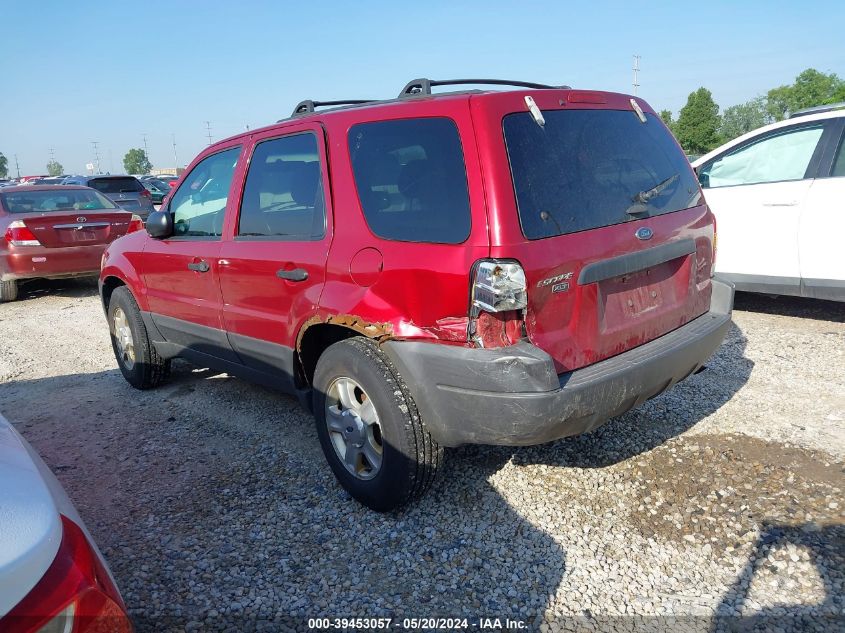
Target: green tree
pixel 54 168
pixel 811 88
pixel 743 118
pixel 698 123
pixel 4 166
pixel 666 117
pixel 136 162
pixel 778 102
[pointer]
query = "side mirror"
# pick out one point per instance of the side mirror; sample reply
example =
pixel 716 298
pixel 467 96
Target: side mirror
pixel 160 224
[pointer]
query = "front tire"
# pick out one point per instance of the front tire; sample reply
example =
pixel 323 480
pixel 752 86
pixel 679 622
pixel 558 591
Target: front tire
pixel 136 356
pixel 8 290
pixel 370 431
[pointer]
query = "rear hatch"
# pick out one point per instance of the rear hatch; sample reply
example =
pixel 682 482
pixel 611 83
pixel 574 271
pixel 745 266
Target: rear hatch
pixel 614 237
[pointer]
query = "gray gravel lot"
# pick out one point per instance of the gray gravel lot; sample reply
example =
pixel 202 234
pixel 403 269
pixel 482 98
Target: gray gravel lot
pixel 211 500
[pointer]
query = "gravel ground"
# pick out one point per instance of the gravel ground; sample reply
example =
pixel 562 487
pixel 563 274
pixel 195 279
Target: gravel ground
pixel 211 500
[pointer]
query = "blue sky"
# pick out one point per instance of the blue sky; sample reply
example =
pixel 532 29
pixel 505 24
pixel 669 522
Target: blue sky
pixel 76 72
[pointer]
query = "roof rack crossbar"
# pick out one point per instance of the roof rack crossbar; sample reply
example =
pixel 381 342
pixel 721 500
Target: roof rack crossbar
pixel 423 86
pixel 829 107
pixel 307 106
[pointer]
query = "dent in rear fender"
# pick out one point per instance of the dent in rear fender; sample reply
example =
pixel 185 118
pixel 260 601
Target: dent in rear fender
pixel 375 315
pixel 377 331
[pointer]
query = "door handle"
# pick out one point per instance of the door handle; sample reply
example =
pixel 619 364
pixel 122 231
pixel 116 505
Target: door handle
pixel 200 266
pixel 297 274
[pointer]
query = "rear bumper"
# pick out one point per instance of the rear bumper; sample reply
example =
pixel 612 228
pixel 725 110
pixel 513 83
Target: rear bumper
pixel 34 262
pixel 512 396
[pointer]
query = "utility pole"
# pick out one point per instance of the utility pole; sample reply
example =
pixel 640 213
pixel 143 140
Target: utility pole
pixel 146 151
pixel 175 159
pixel 17 167
pixel 636 73
pixel 96 155
pixel 52 155
pixel 208 131
pixel 111 162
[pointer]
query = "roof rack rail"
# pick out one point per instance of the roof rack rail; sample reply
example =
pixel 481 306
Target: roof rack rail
pixel 423 86
pixel 818 109
pixel 307 106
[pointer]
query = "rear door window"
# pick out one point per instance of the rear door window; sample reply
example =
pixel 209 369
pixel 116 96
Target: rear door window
pixel 585 169
pixel 411 179
pixel 283 196
pixel 116 185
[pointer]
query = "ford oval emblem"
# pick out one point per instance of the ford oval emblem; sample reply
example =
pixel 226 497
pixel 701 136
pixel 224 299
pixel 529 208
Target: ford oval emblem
pixel 644 233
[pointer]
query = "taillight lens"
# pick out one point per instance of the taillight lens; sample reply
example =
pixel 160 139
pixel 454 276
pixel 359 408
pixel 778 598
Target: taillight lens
pixel 18 234
pixel 76 594
pixel 498 300
pixel 499 286
pixel 146 194
pixel 135 224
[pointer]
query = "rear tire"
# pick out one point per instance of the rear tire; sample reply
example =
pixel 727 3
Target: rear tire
pixel 407 456
pixel 8 290
pixel 137 358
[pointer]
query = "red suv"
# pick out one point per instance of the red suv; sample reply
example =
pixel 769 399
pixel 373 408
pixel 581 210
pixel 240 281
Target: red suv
pixel 438 269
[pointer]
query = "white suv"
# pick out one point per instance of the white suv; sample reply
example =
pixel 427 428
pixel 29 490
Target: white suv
pixel 778 194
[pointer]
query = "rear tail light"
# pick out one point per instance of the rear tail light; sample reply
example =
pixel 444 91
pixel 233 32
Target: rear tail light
pixel 135 224
pixel 145 193
pixel 76 594
pixel 18 234
pixel 498 300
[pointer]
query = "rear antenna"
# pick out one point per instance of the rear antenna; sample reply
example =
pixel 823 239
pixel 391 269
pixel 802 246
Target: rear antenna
pixel 535 111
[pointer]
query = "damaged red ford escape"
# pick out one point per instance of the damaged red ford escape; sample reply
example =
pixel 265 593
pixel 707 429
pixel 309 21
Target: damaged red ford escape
pixel 480 266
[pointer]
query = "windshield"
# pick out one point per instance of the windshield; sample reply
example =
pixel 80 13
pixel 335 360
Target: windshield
pixel 55 200
pixel 586 169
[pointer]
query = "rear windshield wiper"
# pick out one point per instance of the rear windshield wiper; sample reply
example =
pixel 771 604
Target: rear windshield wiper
pixel 642 199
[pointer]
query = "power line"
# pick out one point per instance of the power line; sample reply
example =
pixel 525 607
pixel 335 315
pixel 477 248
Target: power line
pixel 636 70
pixel 175 159
pixel 96 145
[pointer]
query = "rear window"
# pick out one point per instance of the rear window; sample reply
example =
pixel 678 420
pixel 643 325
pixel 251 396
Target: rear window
pixel 586 169
pixel 57 200
pixel 411 179
pixel 116 185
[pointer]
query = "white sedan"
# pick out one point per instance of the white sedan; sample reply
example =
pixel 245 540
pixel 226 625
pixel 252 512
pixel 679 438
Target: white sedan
pixel 778 194
pixel 52 577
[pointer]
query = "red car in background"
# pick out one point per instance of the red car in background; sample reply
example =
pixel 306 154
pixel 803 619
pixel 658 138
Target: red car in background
pixel 54 231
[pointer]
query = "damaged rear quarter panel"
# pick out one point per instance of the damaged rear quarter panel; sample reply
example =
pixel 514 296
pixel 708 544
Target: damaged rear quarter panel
pixel 422 291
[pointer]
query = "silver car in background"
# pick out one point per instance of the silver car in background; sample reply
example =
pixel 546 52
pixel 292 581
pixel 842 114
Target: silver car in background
pixel 125 191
